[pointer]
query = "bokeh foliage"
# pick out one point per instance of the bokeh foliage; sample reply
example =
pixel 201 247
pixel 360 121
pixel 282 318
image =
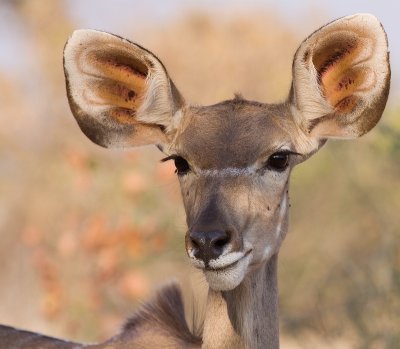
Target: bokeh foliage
pixel 87 233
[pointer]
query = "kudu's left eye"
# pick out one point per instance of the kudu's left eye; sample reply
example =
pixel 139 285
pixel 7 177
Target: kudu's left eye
pixel 182 166
pixel 278 161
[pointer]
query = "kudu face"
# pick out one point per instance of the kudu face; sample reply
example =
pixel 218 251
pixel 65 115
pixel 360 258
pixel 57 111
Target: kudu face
pixel 234 185
pixel 234 158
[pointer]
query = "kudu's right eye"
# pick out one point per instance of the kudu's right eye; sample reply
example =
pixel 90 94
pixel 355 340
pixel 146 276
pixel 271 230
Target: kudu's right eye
pixel 182 166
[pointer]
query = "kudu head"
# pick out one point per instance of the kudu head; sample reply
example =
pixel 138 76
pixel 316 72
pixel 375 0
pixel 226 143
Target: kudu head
pixel 233 159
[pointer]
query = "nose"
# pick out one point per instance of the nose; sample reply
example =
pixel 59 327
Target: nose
pixel 209 245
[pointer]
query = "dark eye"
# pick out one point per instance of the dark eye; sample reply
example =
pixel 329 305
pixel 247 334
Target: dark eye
pixel 278 161
pixel 182 166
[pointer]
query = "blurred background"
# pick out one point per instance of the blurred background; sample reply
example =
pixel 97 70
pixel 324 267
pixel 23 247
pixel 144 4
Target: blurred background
pixel 87 234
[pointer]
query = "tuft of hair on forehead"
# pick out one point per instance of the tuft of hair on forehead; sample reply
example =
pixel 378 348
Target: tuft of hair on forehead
pixel 239 101
pixel 237 96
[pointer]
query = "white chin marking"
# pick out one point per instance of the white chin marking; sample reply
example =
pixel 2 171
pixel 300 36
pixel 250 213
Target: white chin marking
pixel 228 278
pixel 267 253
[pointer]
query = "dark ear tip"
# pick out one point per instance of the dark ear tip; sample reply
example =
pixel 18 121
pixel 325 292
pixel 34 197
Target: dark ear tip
pixel 96 138
pixel 87 124
pixel 90 129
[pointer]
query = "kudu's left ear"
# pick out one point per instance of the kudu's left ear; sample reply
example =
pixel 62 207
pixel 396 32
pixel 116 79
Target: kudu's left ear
pixel 341 78
pixel 119 92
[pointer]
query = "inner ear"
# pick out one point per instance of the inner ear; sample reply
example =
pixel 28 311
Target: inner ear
pixel 119 92
pixel 339 73
pixel 341 78
pixel 114 79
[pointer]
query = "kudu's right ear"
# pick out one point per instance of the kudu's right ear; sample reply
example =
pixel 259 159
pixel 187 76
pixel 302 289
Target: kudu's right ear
pixel 341 78
pixel 119 93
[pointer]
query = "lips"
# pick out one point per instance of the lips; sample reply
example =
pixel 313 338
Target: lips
pixel 227 273
pixel 228 266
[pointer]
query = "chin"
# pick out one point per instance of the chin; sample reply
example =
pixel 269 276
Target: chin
pixel 228 278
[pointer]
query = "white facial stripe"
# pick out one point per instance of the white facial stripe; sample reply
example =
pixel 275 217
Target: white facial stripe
pixel 236 171
pixel 229 171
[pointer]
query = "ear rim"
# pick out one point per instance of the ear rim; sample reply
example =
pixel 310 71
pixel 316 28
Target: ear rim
pixel 323 111
pixel 146 128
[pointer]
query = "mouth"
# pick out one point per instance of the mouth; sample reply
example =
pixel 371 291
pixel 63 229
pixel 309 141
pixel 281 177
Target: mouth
pixel 215 266
pixel 227 272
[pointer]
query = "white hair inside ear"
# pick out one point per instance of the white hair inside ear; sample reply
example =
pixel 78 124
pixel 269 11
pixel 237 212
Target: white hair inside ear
pixel 120 93
pixel 341 78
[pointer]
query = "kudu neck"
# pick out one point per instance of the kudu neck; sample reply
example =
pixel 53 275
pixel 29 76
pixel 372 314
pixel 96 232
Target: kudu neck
pixel 246 317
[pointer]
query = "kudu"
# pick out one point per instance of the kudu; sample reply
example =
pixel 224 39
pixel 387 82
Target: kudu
pixel 233 161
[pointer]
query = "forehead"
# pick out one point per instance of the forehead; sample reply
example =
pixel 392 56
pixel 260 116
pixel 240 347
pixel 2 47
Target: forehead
pixel 235 133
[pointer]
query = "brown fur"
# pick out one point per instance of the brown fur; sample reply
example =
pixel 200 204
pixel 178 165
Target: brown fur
pixel 158 324
pixel 166 311
pixel 11 338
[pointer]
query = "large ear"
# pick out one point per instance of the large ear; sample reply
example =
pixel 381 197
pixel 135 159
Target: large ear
pixel 119 93
pixel 341 78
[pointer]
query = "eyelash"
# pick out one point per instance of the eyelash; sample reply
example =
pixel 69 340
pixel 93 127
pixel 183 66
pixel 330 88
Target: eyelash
pixel 181 165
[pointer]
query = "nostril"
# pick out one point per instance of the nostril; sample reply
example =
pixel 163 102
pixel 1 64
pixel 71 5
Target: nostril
pixel 221 242
pixel 195 244
pixel 208 245
pixel 197 239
